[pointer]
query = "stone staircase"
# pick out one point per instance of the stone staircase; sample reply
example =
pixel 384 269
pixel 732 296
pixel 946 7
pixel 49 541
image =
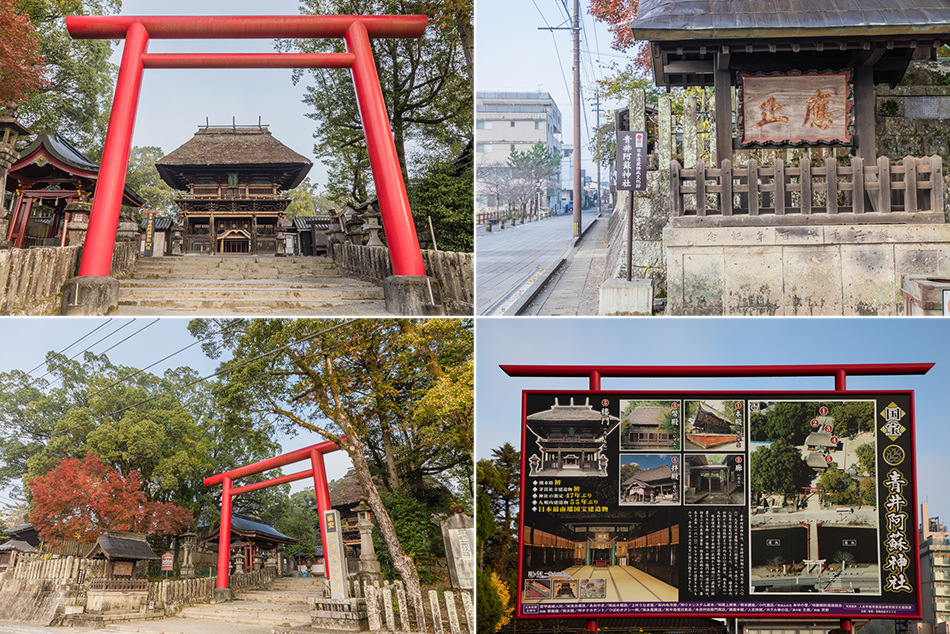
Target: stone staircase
pixel 282 605
pixel 227 285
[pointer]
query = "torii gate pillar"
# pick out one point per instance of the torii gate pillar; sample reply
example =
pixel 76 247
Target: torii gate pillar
pixel 408 291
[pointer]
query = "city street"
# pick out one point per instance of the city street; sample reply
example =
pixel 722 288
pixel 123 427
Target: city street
pixel 511 259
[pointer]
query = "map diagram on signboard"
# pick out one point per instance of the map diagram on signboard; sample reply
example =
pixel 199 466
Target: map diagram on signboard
pixel 814 516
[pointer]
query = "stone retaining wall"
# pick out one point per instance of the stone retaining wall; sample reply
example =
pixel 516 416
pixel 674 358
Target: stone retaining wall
pixel 454 270
pixel 34 601
pixel 31 279
pixel 808 270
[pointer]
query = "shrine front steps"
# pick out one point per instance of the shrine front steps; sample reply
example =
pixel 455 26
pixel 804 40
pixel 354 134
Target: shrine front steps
pixel 227 285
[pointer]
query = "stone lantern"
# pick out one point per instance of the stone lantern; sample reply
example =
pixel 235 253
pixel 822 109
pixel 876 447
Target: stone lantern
pixel 10 131
pixel 372 216
pixel 369 564
pixel 189 541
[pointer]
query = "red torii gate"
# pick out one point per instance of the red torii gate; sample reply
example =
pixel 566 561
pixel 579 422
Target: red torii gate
pixel 317 469
pixel 354 29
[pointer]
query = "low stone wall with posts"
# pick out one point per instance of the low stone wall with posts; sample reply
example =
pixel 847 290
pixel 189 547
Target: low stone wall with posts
pixel 31 280
pixel 386 609
pixel 455 271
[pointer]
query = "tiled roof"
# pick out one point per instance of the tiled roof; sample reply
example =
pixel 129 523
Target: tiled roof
pixel 696 19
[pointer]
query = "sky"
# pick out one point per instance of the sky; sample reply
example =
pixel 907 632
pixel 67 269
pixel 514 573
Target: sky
pixel 719 341
pixel 139 343
pixel 512 54
pixel 174 103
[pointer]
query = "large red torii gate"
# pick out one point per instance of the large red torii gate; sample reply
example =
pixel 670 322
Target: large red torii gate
pixel 354 29
pixel 317 469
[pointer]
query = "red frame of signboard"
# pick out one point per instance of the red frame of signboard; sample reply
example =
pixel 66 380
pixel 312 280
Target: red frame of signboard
pixel 595 373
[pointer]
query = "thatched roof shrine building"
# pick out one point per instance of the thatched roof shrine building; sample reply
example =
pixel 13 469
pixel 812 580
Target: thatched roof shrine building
pixel 234 177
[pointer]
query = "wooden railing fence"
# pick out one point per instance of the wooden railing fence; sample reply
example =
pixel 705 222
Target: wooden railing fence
pixel 910 191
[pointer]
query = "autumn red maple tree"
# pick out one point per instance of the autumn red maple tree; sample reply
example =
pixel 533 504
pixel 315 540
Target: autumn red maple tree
pixel 618 14
pixel 81 499
pixel 21 65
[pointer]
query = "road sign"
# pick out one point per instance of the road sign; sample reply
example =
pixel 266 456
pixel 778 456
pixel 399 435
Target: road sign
pixel 677 504
pixel 167 561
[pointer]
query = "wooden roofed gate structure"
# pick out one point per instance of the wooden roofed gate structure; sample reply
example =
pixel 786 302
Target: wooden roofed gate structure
pixel 792 157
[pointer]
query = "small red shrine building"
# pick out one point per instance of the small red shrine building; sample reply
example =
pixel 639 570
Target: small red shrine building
pixel 48 176
pixel 234 178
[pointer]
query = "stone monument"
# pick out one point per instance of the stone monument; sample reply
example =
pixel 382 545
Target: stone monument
pixel 458 532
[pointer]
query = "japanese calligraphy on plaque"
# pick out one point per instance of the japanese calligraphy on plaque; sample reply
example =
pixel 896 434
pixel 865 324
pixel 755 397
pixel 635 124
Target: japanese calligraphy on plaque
pixel 795 108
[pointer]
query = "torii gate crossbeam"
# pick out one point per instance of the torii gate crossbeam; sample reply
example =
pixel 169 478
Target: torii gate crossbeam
pixel 354 29
pixel 314 453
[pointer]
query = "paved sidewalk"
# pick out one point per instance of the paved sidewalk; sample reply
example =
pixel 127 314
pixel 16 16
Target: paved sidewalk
pixel 575 288
pixel 508 260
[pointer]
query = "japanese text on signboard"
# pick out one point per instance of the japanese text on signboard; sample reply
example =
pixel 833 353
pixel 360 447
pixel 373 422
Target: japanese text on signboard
pixel 631 161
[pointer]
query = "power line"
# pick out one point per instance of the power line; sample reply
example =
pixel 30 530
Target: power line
pixel 102 325
pixel 210 376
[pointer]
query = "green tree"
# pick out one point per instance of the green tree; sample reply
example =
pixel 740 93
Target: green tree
pixel 530 169
pixel 170 432
pixel 142 177
pixel 787 421
pixel 778 469
pixel 444 195
pixel 627 471
pixel 76 99
pixel 838 488
pixel 867 459
pixel 489 609
pixel 298 520
pixel 355 383
pixel 853 417
pixel 425 89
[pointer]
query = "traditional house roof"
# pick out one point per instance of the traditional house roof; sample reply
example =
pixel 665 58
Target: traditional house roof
pixel 650 476
pixel 306 222
pixel 233 148
pixel 122 546
pixel 819 439
pixel 816 460
pixel 18 545
pixel 26 533
pixel 688 36
pixel 687 19
pixel 252 529
pixel 647 416
pixel 50 156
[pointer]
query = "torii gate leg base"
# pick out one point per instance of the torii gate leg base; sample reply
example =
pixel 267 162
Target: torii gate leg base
pixel 413 295
pixel 90 296
pixel 220 595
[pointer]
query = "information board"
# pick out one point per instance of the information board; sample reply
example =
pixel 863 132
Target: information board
pixel 725 504
pixel 631 161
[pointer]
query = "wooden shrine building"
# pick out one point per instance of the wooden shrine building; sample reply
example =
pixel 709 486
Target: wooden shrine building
pixel 47 180
pixel 647 427
pixel 249 537
pixel 234 178
pixel 805 69
pixel 572 439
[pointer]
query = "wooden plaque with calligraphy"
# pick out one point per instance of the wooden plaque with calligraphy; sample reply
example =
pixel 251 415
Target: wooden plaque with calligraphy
pixel 795 109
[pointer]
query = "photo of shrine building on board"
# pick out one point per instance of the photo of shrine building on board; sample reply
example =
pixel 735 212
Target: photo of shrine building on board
pixel 649 479
pixel 649 425
pixel 814 509
pixel 712 425
pixel 571 439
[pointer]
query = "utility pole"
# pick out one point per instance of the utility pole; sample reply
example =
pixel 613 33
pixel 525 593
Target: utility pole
pixel 597 136
pixel 578 199
pixel 578 194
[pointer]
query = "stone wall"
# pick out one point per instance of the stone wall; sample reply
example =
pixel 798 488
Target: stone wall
pixel 454 270
pixel 914 118
pixel 34 601
pixel 31 279
pixel 808 270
